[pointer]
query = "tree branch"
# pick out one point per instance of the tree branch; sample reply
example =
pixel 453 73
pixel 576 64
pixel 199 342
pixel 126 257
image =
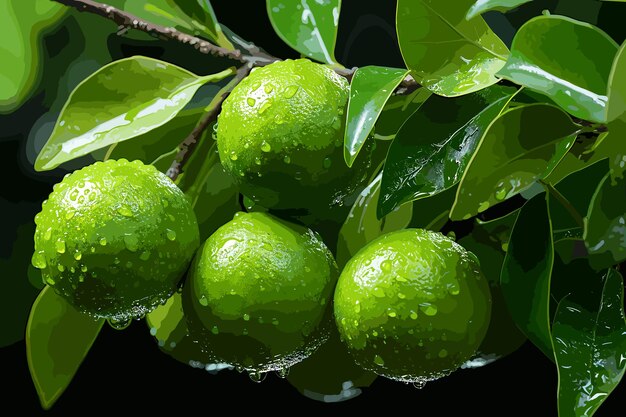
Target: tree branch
pixel 213 109
pixel 248 53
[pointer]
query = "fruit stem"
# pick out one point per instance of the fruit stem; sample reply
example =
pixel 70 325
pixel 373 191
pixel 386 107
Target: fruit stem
pixel 193 192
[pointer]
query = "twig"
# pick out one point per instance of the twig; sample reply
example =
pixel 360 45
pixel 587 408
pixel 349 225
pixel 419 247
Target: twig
pixel 213 109
pixel 248 53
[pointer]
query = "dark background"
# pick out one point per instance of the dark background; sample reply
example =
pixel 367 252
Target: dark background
pixel 126 372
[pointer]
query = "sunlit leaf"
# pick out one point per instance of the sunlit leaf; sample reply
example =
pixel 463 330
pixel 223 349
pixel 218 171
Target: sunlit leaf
pixel 308 26
pixel 482 6
pixel 449 55
pixel 543 54
pixel 120 101
pixel 370 89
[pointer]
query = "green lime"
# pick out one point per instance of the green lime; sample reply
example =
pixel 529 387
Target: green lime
pixel 258 294
pixel 280 135
pixel 114 239
pixel 412 305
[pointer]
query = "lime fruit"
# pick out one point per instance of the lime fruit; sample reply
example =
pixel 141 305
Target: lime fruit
pixel 114 239
pixel 258 293
pixel 412 305
pixel 280 135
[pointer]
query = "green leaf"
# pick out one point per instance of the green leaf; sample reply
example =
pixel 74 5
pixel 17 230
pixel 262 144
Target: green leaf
pixel 617 86
pixel 118 102
pixel 522 145
pixel 195 17
pixel 396 111
pixel 526 272
pixel 362 225
pixel 547 66
pixel 432 212
pixel 433 147
pixel 616 145
pixel 370 89
pixel 23 23
pixel 489 241
pixel 589 348
pixel 57 340
pixel 308 26
pixel 482 6
pixel 605 225
pixel 449 55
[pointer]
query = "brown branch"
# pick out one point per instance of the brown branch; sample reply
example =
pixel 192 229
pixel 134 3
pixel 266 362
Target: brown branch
pixel 213 109
pixel 248 53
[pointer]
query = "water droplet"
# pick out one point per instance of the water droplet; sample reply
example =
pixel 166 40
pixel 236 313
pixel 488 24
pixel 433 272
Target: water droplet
pixel 268 88
pixel 47 234
pixel 443 353
pixel 265 106
pixel 119 324
pixel 69 214
pixel 233 155
pixel 287 159
pixel 125 211
pixel 215 330
pixel 145 255
pixel 60 267
pixel 357 306
pixel 203 301
pixel 103 241
pixel 131 242
pixel 171 235
pixel 391 313
pixel 419 384
pixel 74 195
pixel 83 268
pixel 266 147
pixel 500 194
pixel 257 377
pixel 413 315
pixel 39 260
pixel 401 295
pixel 307 269
pixel 378 360
pixel 257 160
pixel 48 280
pixel 246 317
pixel 385 266
pixel 327 163
pixel 291 91
pixel 275 322
pixel 78 255
pixel 251 101
pixel 282 373
pixel 429 309
pixel 60 246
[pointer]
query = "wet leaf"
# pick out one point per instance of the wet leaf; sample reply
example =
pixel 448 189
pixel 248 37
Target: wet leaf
pixel 617 86
pixel 433 147
pixel 57 340
pixel 589 346
pixel 449 55
pixel 362 225
pixel 522 145
pixel 482 6
pixel 396 111
pixel 370 89
pixel 308 26
pixel 120 101
pixel 605 225
pixel 546 66
pixel 526 272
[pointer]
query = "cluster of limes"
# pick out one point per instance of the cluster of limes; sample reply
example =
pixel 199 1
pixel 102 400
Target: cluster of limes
pixel 116 239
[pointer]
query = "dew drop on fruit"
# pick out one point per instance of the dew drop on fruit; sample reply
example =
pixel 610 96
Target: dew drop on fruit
pixel 251 101
pixel 125 211
pixel 60 267
pixel 500 194
pixel 413 315
pixel 246 317
pixel 268 88
pixel 170 234
pixel 102 241
pixel 283 373
pixel 385 266
pixel 39 260
pixel 291 91
pixel 429 309
pixel 145 255
pixel 78 255
pixel 83 268
pixel 69 214
pixel 119 324
pixel 419 384
pixel 287 159
pixel 204 302
pixel 60 246
pixel 47 234
pixel 391 313
pixel 233 155
pixel 48 280
pixel 215 330
pixel 256 376
pixel 265 147
pixel 327 163
pixel 265 106
pixel 378 360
